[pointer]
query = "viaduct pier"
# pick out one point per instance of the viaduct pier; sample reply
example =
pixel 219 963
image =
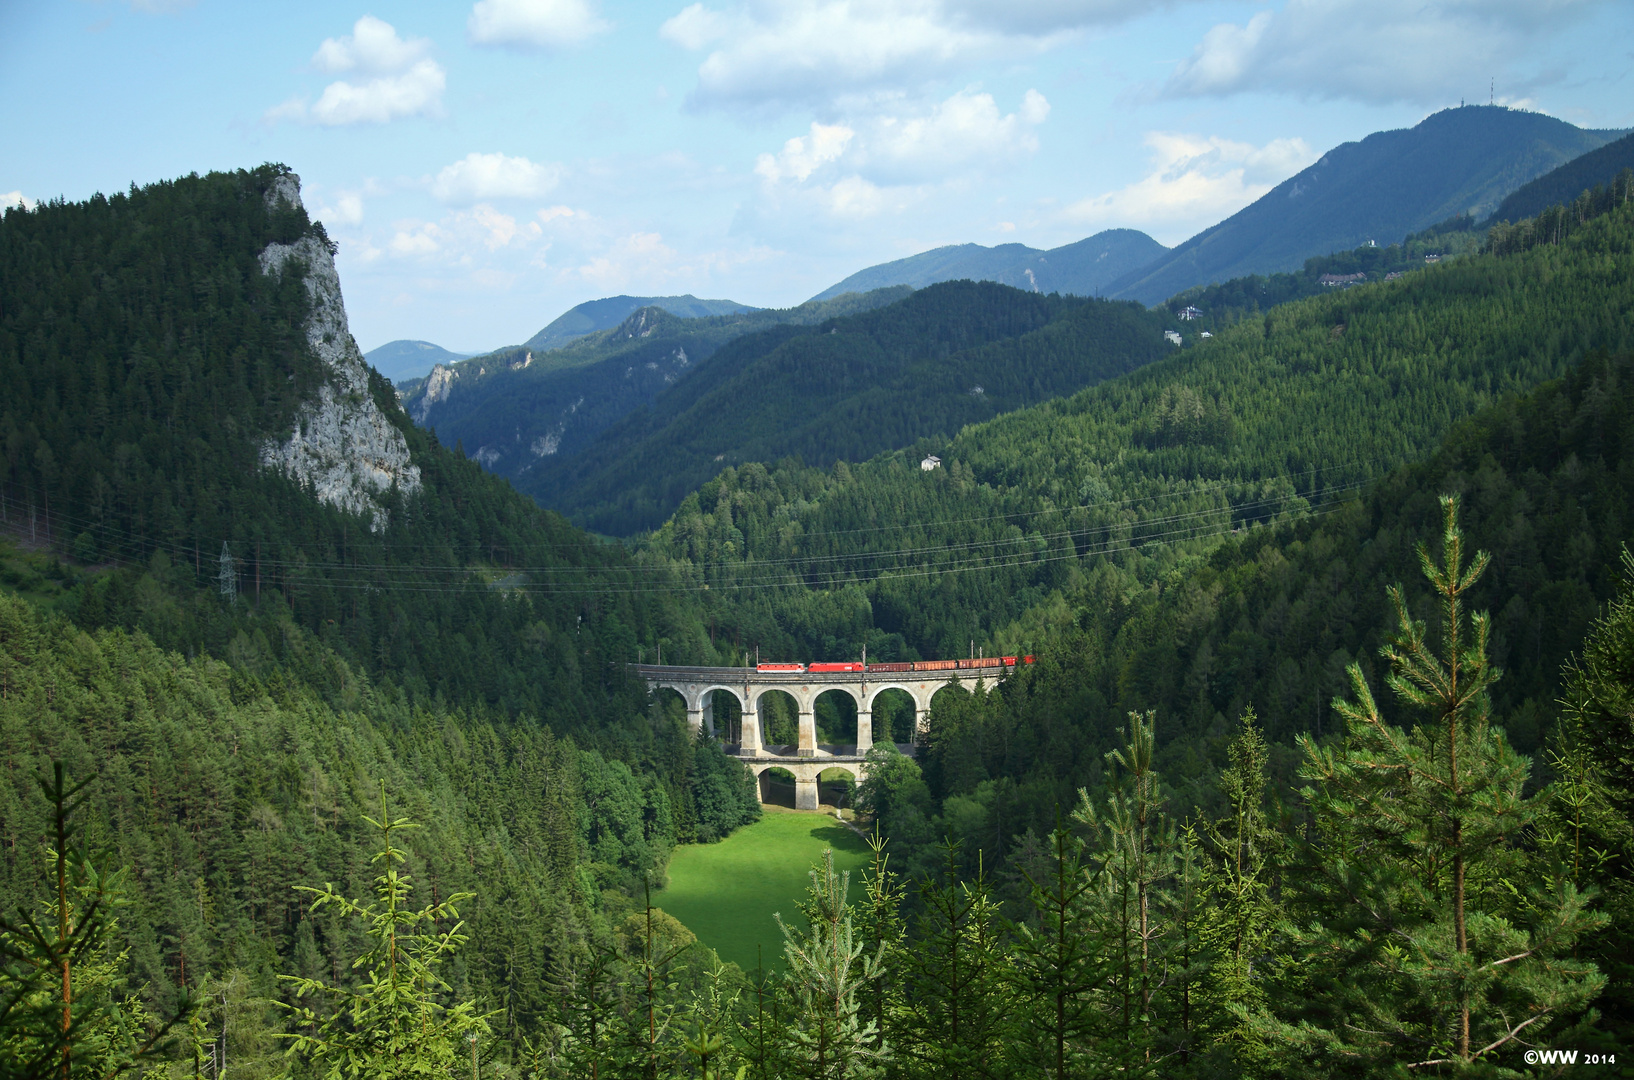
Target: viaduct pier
pixel 806 758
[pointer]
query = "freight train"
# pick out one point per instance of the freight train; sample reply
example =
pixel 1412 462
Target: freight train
pixel 915 665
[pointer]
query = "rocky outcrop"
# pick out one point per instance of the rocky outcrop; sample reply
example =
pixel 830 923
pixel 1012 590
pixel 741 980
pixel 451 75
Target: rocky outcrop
pixel 342 445
pixel 439 384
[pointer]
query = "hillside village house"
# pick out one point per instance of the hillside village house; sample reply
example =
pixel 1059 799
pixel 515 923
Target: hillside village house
pixel 931 462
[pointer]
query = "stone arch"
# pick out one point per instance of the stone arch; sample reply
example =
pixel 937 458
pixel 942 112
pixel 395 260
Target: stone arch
pixel 667 692
pixel 781 725
pixel 893 703
pixel 965 685
pixel 707 705
pixel 834 789
pixel 836 719
pixel 777 786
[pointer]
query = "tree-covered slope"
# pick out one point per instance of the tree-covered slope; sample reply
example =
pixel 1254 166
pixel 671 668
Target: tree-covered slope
pixel 1458 161
pixel 1083 268
pixel 1272 417
pixel 172 387
pixel 1597 168
pixel 947 356
pixel 239 589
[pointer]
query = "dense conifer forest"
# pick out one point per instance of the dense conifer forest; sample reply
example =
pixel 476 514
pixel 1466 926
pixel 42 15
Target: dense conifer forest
pixel 1324 767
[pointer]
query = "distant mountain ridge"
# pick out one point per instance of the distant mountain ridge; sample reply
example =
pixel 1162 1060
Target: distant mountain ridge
pixel 515 408
pixel 1083 268
pixel 1458 161
pixel 608 312
pixel 406 359
pixel 942 357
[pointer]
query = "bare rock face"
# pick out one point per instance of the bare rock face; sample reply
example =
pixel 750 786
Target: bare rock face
pixel 342 445
pixel 439 384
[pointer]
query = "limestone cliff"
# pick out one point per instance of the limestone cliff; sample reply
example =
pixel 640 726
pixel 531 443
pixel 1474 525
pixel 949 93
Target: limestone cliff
pixel 342 445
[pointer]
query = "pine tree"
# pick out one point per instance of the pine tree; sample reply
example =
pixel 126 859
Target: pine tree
pixel 1058 961
pixel 1590 818
pixel 1245 850
pixel 395 1022
pixel 883 934
pixel 826 1037
pixel 61 1017
pixel 1132 856
pixel 956 1001
pixel 1426 947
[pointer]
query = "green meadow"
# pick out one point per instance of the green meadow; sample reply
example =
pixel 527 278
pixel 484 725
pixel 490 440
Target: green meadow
pixel 726 893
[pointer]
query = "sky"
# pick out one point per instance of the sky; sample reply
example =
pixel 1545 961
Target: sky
pixel 485 165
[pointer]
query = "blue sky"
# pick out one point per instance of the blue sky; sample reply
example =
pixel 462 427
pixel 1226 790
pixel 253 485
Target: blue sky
pixel 485 165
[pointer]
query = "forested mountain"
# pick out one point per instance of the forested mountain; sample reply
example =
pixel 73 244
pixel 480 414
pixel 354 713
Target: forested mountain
pixel 1597 168
pixel 512 408
pixel 949 355
pixel 1276 415
pixel 1083 268
pixel 1458 161
pixel 403 359
pixel 1215 307
pixel 608 312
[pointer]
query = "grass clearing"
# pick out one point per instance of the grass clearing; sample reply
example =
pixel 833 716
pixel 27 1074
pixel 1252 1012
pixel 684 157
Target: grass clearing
pixel 726 893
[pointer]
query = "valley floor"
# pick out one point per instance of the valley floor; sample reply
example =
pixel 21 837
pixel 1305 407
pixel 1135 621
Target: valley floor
pixel 727 893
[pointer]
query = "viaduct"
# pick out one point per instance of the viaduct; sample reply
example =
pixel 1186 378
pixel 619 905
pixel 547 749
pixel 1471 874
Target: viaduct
pixel 806 758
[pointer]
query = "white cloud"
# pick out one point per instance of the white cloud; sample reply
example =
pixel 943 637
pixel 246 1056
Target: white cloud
pixel 1423 51
pixel 1195 180
pixel 939 143
pixel 457 236
pixel 415 92
pixel 552 24
pixel 638 256
pixel 694 27
pixel 416 239
pixel 965 129
pixel 803 154
pixel 346 209
pixel 854 197
pixel 372 47
pixel 477 177
pixel 399 79
pixel 769 53
pixel 8 199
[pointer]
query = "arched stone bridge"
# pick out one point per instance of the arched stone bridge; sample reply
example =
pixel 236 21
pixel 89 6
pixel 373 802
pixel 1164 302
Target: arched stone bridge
pixel 804 759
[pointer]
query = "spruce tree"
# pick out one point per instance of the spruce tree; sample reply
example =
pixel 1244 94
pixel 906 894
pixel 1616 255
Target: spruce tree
pixel 397 1019
pixel 883 934
pixel 956 1005
pixel 1590 819
pixel 61 1014
pixel 1245 851
pixel 1058 961
pixel 1132 856
pixel 826 1036
pixel 1430 941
